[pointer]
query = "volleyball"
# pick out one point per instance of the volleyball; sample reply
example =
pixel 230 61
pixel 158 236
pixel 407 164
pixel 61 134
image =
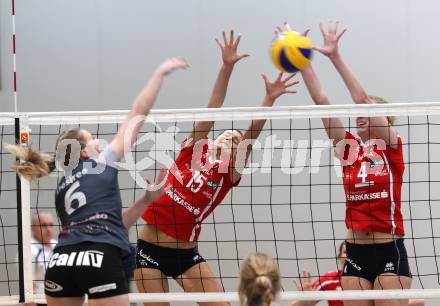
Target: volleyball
pixel 291 52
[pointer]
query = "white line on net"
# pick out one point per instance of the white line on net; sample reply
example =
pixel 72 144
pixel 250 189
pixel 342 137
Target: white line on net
pixel 284 296
pixel 240 113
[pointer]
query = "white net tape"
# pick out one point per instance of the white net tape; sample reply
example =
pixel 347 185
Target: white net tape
pixel 242 113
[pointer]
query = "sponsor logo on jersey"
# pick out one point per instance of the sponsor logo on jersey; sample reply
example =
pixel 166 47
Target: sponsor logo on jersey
pixel 178 199
pixel 210 183
pixel 97 216
pixel 147 259
pixel 84 258
pixel 367 196
pixel 351 262
pixel 376 163
pixel 102 288
pixel 389 266
pixel 72 178
pixel 52 286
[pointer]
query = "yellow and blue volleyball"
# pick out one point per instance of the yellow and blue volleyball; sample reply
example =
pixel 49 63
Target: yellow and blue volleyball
pixel 291 52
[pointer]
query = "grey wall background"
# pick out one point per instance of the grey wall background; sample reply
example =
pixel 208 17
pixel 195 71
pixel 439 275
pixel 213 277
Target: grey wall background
pixel 96 55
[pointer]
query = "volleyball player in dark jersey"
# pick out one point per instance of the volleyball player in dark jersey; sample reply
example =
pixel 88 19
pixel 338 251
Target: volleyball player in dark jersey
pixel 94 237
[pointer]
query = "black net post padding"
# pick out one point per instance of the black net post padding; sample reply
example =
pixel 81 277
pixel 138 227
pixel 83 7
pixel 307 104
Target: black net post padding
pixel 19 221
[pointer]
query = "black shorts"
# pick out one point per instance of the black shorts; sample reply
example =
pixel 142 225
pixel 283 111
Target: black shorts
pixel 371 260
pixel 88 268
pixel 171 262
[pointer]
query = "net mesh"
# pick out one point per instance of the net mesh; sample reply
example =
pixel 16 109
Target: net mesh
pixel 290 203
pixel 8 213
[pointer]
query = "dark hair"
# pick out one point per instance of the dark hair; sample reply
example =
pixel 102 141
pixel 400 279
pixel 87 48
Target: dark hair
pixel 341 247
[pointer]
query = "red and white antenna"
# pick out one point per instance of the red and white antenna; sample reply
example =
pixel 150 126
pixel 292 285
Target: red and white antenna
pixel 14 58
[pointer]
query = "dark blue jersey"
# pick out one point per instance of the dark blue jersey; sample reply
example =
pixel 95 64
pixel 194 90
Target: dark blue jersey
pixel 89 205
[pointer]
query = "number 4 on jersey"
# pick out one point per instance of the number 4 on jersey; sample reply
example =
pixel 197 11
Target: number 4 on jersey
pixel 363 172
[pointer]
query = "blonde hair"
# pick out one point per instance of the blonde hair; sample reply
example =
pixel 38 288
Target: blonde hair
pixel 380 100
pixel 34 164
pixel 260 281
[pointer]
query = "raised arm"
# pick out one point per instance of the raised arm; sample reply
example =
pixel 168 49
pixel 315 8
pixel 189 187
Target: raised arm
pixel 230 57
pixel 379 125
pixel 333 126
pixel 153 192
pixel 129 129
pixel 273 90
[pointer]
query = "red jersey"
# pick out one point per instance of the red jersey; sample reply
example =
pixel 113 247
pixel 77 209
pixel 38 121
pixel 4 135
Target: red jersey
pixel 373 184
pixel 180 211
pixel 329 282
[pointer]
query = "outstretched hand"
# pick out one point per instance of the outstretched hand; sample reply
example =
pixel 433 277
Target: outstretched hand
pixel 229 48
pixel 278 87
pixel 172 64
pixel 156 190
pixel 331 39
pixel 305 282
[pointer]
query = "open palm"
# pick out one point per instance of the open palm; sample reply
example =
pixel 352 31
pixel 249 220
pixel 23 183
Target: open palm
pixel 331 39
pixel 278 87
pixel 229 48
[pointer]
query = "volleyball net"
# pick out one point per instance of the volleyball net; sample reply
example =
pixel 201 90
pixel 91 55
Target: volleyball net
pixel 290 203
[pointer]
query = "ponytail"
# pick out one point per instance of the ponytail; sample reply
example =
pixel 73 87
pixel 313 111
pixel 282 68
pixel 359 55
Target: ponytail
pixel 34 164
pixel 31 163
pixel 260 281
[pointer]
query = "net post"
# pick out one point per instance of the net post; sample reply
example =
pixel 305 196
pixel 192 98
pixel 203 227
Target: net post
pixel 23 221
pixel 19 221
pixel 26 240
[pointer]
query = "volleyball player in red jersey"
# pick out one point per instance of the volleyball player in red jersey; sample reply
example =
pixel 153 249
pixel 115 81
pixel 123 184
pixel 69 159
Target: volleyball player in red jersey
pixel 167 245
pixel 372 176
pixel 328 282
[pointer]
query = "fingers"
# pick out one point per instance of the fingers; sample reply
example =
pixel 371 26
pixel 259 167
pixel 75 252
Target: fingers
pixel 181 62
pixel 306 32
pixel 231 38
pixel 237 41
pixel 287 85
pixel 331 27
pixel 319 49
pixel 280 76
pixel 298 285
pixel 240 56
pixel 321 27
pixel 289 77
pixel 218 43
pixel 264 76
pixel 163 173
pixel 342 33
pixel 232 41
pixel 291 91
pixel 174 63
pixel 224 38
